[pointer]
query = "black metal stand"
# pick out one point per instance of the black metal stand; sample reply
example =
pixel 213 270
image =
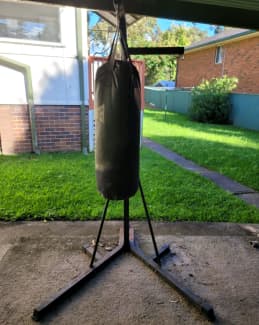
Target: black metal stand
pixel 127 243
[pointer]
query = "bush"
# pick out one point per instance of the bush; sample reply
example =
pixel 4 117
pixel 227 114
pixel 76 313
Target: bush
pixel 211 102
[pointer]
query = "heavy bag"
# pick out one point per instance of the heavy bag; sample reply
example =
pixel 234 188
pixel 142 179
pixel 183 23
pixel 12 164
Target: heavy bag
pixel 117 126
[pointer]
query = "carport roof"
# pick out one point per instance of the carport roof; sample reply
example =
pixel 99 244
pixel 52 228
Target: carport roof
pixel 111 17
pixel 234 13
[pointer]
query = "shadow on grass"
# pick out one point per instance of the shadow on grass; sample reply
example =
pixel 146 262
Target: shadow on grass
pixel 240 164
pixel 183 121
pixel 231 151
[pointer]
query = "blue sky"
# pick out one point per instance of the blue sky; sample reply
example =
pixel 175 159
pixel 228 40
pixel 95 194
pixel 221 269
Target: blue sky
pixel 164 23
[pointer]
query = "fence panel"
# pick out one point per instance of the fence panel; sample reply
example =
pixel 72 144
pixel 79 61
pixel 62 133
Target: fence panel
pixel 245 107
pixel 173 100
pixel 245 111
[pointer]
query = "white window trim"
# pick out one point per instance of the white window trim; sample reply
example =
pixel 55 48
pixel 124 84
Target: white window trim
pixel 219 54
pixel 30 42
pixel 13 40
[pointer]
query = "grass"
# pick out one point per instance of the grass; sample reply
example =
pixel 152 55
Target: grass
pixel 232 151
pixel 62 186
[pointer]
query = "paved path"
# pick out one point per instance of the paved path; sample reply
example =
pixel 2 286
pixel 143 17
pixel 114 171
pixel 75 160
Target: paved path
pixel 245 193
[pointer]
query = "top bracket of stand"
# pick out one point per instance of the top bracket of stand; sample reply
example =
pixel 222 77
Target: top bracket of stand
pixel 175 50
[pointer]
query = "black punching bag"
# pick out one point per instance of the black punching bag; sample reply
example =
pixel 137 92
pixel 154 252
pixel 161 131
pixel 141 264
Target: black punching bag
pixel 117 125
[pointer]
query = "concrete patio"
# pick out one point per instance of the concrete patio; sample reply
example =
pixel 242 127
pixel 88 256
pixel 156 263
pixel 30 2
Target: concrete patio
pixel 215 260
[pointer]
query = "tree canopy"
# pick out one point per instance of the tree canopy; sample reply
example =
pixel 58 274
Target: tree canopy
pixel 147 33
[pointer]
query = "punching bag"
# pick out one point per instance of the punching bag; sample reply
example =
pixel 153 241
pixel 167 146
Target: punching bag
pixel 117 125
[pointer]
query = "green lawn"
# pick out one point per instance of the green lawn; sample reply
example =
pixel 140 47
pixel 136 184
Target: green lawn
pixel 62 186
pixel 231 151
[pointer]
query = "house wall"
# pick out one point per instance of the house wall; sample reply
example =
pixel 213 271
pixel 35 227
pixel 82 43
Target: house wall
pixel 54 66
pixel 54 72
pixel 15 129
pixel 241 60
pixel 59 128
pixel 197 66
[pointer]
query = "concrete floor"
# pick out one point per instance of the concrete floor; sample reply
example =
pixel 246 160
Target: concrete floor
pixel 215 260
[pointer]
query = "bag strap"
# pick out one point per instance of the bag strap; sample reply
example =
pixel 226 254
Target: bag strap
pixel 121 33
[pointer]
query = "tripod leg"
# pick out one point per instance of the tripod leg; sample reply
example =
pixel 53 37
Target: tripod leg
pixel 149 224
pixel 126 225
pixel 99 232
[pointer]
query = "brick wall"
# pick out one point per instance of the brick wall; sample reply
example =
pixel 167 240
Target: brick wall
pixel 58 128
pixel 241 59
pixel 15 132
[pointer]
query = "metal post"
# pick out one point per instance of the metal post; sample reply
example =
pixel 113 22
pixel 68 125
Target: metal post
pixel 149 224
pixel 99 232
pixel 126 225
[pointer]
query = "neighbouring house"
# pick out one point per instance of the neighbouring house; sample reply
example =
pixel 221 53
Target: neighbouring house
pixel 46 79
pixel 234 52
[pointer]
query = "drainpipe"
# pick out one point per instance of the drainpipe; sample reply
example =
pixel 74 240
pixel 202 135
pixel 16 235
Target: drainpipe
pixel 80 59
pixel 29 92
pixel 26 71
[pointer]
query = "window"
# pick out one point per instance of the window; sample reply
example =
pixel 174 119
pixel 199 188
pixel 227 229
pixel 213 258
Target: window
pixel 29 22
pixel 219 55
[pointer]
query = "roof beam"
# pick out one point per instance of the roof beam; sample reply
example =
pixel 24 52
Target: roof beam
pixel 189 10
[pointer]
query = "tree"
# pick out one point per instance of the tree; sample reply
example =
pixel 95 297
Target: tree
pixel 163 66
pixel 149 36
pixel 147 33
pixel 144 32
pixel 100 38
pixel 178 35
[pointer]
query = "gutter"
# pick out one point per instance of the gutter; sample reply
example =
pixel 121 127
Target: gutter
pixel 227 39
pixel 80 59
pixel 26 71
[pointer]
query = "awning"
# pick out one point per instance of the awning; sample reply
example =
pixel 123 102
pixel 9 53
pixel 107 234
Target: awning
pixel 234 13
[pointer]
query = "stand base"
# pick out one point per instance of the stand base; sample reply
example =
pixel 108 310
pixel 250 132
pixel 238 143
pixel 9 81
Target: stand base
pixel 133 247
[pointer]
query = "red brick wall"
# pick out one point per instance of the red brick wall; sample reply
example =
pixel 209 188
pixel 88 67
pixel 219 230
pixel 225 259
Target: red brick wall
pixel 58 128
pixel 241 59
pixel 15 132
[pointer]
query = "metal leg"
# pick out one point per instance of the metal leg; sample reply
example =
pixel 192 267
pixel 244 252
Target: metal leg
pixel 127 242
pixel 99 232
pixel 198 302
pixel 54 300
pixel 126 225
pixel 149 224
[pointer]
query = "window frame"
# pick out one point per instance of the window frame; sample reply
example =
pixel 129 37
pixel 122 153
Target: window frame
pixel 38 42
pixel 219 55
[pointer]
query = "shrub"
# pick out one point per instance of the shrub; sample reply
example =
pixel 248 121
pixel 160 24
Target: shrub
pixel 211 102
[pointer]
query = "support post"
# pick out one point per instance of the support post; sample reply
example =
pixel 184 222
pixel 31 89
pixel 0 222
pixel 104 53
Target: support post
pixel 99 232
pixel 149 224
pixel 126 225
